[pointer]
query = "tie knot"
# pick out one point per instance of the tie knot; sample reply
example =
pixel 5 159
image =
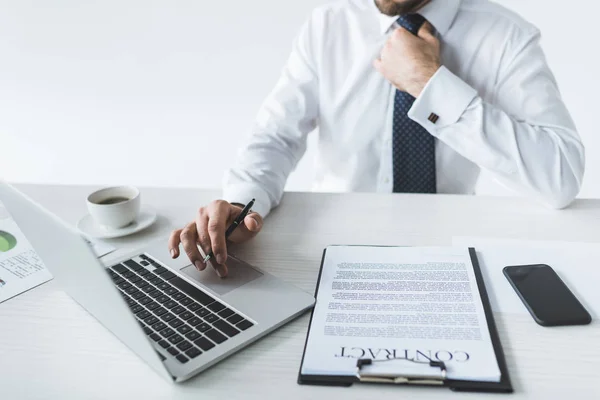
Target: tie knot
pixel 411 22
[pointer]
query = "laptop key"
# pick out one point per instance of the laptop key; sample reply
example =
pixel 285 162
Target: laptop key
pixel 159 326
pixel 141 284
pixel 225 313
pixel 144 300
pixel 136 309
pixel 133 265
pixel 179 296
pixel 186 315
pixel 211 318
pixel 144 263
pixel 193 335
pixel 156 281
pixel 147 289
pixel 183 346
pixel 159 311
pixel 191 290
pixel 138 295
pixel 149 276
pixel 131 290
pixel 162 299
pixel 194 306
pixel 203 327
pixel 171 304
pixel 167 332
pixel 178 310
pixel 225 328
pixel 163 286
pixel 155 337
pixel 143 314
pixel 148 331
pixel 194 321
pixel 127 274
pixel 175 339
pixel 167 317
pixel 152 320
pixel 135 279
pixel 202 312
pixel 245 324
pixel 193 352
pixel 215 336
pixel 173 351
pixel 183 329
pixel 204 343
pixel 124 285
pixel 164 344
pixel 152 305
pixel 186 301
pixel 182 359
pixel 155 294
pixel 175 323
pixel 168 275
pixel 159 270
pixel 143 272
pixel 120 268
pixel 171 291
pixel 235 318
pixel 216 306
pixel 118 281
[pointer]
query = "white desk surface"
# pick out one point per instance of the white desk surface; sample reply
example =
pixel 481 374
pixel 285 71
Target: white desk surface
pixel 51 348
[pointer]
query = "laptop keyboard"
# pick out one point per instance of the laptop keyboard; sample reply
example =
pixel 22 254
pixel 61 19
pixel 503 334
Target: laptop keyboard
pixel 182 319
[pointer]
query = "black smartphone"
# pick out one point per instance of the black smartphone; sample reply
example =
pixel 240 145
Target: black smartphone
pixel 546 296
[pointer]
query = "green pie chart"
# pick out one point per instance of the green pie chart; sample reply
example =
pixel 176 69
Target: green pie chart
pixel 7 241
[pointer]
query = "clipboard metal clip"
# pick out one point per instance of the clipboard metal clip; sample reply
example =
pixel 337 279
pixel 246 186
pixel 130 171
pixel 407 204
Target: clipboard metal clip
pixel 437 376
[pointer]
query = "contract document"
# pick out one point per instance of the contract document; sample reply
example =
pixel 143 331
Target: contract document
pixel 408 305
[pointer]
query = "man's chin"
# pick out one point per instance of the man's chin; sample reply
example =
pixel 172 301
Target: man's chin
pixel 399 7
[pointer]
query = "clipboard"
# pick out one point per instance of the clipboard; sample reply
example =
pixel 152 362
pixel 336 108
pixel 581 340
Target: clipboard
pixel 502 386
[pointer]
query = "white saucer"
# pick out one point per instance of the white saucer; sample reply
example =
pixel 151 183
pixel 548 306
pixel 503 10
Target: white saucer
pixel 88 226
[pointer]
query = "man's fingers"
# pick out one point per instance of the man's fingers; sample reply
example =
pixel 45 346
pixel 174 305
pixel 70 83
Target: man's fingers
pixel 253 222
pixel 203 238
pixel 378 65
pixel 249 228
pixel 427 32
pixel 189 238
pixel 217 218
pixel 174 241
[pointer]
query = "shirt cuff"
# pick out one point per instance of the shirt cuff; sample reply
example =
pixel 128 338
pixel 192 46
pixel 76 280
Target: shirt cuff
pixel 442 102
pixel 242 194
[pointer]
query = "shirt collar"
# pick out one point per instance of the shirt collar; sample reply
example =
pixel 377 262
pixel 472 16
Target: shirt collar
pixel 440 13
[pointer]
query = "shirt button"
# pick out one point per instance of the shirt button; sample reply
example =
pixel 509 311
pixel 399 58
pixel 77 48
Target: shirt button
pixel 386 180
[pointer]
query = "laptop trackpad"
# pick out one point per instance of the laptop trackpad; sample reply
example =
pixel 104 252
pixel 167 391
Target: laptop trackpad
pixel 240 273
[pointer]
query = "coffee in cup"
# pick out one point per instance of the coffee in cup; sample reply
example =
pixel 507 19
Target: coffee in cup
pixel 114 207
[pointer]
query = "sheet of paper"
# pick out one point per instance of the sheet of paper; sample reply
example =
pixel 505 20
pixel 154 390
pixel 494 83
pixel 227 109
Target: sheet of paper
pixel 577 264
pixel 20 267
pixel 399 302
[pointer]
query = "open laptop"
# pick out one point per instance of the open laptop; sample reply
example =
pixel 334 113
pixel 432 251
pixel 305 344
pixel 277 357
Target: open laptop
pixel 177 319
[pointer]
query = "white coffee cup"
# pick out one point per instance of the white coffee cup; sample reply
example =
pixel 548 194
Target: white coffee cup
pixel 114 207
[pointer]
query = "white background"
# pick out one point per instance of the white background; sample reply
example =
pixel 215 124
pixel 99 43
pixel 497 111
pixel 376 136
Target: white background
pixel 158 92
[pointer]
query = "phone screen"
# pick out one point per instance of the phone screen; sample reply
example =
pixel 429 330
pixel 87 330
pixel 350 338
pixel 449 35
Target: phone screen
pixel 545 295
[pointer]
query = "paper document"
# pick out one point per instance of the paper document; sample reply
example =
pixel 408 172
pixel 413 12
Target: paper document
pixel 575 263
pixel 399 302
pixel 20 267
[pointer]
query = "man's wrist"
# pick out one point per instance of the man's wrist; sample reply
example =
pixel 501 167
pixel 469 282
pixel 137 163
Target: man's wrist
pixel 416 89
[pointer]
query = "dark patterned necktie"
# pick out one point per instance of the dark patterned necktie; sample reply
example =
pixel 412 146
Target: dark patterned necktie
pixel 413 148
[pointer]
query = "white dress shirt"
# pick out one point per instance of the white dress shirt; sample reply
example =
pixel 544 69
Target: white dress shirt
pixel 498 104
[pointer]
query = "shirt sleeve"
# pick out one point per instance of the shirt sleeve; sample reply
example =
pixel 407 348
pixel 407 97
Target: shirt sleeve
pixel 278 139
pixel 525 137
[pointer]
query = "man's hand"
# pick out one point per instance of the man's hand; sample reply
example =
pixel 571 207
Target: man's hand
pixel 409 61
pixel 208 231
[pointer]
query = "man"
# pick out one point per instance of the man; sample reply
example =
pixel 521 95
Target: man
pixel 485 100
